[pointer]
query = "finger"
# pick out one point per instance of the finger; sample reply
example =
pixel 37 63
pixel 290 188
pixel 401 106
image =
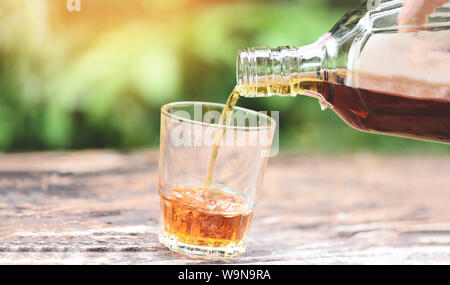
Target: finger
pixel 415 12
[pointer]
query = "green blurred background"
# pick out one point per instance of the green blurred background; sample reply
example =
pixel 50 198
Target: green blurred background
pixel 97 78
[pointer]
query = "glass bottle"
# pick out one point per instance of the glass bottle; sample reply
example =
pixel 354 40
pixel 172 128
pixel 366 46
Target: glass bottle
pixel 379 69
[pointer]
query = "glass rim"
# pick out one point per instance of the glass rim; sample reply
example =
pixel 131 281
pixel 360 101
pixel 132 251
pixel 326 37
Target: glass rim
pixel 165 107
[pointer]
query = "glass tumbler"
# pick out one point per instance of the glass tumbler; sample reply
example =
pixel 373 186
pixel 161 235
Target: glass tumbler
pixel 208 213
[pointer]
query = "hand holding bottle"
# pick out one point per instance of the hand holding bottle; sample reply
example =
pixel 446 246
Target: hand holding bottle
pixel 383 70
pixel 415 12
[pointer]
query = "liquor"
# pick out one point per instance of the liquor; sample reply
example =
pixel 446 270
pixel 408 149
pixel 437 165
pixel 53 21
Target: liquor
pixel 210 220
pixel 379 112
pixel 416 117
pixel 225 119
pixel 374 73
pixel 204 217
pixel 378 72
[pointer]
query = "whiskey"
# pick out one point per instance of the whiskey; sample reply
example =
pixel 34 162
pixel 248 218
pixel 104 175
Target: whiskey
pixel 391 114
pixel 204 217
pixel 210 221
pixel 419 116
pixel 376 74
pixel 225 119
pixel 366 110
pixel 263 89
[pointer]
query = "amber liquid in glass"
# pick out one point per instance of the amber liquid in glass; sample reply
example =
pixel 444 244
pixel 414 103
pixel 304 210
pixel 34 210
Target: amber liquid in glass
pixel 205 217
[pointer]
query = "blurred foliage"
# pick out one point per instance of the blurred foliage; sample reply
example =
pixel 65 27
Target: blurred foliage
pixel 97 78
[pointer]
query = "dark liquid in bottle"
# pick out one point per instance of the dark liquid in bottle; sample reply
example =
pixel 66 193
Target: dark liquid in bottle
pixel 373 111
pixel 420 116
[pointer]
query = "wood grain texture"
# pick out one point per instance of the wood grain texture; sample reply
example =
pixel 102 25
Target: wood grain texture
pixel 102 207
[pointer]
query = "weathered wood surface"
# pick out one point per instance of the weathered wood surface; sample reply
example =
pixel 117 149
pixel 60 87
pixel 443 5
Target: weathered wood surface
pixel 101 207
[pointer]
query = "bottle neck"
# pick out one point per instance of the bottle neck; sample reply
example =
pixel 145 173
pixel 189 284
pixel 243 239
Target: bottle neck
pixel 281 71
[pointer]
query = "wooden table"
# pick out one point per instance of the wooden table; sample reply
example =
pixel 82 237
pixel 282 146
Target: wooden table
pixel 102 207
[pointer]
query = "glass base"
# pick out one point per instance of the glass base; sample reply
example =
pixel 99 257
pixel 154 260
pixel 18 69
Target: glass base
pixel 228 251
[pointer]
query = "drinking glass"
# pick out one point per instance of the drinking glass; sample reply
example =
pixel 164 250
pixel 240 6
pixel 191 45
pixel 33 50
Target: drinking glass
pixel 210 217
